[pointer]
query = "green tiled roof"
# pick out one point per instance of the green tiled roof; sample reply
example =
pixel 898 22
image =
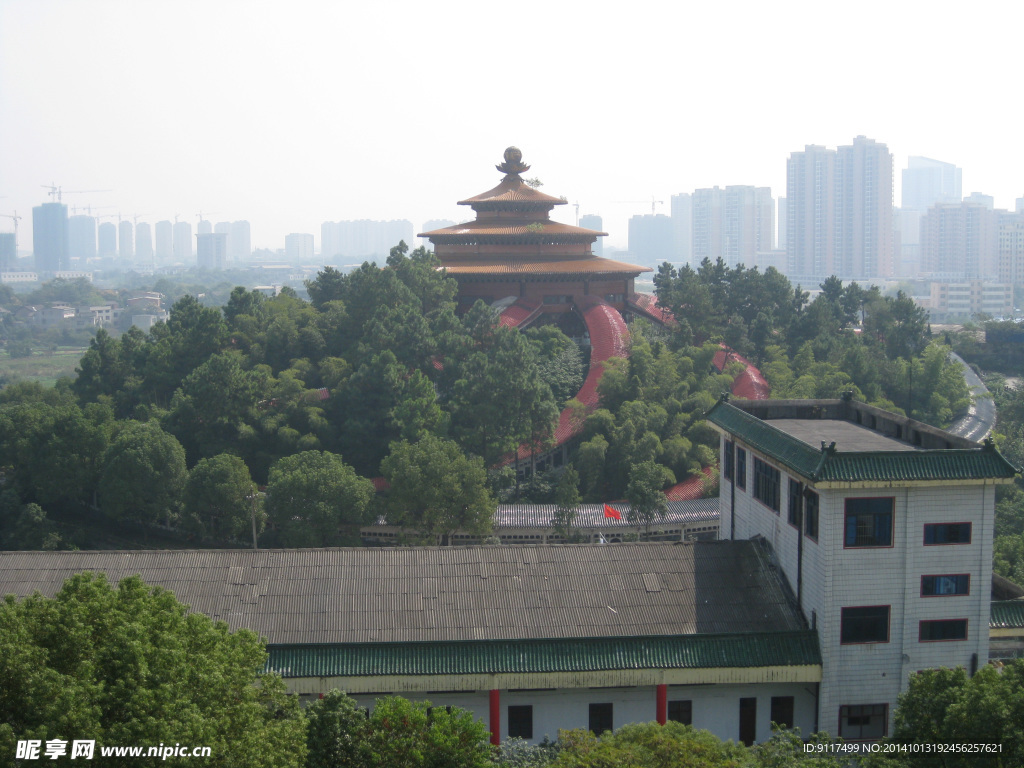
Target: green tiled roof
pixel 823 465
pixel 761 649
pixel 1007 614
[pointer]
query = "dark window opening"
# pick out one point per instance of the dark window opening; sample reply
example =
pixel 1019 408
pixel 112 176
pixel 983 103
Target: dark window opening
pixel 727 470
pixel 868 624
pixel 811 514
pixel 600 718
pixel 796 503
pixel 868 522
pixel 946 585
pixel 767 480
pixel 947 533
pixel 748 720
pixel 866 721
pixel 741 469
pixel 946 629
pixel 520 721
pixel 681 711
pixel 782 711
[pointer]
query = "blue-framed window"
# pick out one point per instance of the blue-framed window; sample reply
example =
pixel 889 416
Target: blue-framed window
pixel 868 522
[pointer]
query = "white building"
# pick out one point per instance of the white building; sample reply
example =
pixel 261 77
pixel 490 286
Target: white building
pixel 883 528
pixel 298 247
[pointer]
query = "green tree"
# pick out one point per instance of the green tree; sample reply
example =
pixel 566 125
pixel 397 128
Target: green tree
pixel 131 665
pixel 335 729
pixel 403 734
pixel 648 745
pixel 143 475
pixel 943 706
pixel 315 499
pixel 647 501
pixel 437 490
pixel 567 503
pixel 220 499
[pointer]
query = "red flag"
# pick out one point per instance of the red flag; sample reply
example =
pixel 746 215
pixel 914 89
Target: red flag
pixel 612 512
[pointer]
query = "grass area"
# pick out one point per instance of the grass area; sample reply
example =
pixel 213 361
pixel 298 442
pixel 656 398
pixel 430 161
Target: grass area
pixel 44 367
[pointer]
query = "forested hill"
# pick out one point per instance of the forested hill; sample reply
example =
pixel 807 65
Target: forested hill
pixel 376 375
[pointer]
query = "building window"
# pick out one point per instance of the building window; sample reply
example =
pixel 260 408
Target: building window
pixel 947 533
pixel 796 503
pixel 727 470
pixel 868 522
pixel 748 720
pixel 811 514
pixel 741 469
pixel 865 721
pixel 782 711
pixel 681 711
pixel 939 631
pixel 600 718
pixel 520 721
pixel 946 586
pixel 867 624
pixel 766 484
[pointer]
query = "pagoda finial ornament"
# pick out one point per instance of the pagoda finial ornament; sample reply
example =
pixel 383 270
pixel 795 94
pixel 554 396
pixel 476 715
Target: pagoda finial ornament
pixel 513 164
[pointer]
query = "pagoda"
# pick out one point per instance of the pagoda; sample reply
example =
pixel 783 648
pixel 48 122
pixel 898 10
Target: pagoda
pixel 513 253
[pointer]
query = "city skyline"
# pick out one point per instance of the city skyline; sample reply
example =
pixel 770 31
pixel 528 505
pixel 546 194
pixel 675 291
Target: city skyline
pixel 293 119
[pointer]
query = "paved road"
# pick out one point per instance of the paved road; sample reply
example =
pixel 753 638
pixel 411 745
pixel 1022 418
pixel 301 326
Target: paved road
pixel 981 417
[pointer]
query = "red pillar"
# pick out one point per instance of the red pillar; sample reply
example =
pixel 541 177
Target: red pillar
pixel 662 706
pixel 495 717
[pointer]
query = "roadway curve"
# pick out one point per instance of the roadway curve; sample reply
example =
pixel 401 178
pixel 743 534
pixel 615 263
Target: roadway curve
pixel 981 417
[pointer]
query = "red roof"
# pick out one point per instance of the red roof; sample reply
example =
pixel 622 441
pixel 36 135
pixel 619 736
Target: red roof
pixel 647 304
pixel 750 384
pixel 691 488
pixel 513 189
pixel 516 265
pixel 518 313
pixel 495 227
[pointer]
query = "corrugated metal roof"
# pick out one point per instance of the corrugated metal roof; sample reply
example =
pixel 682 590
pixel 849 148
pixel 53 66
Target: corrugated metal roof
pixel 592 515
pixel 1007 614
pixel 449 593
pixel 762 649
pixel 820 465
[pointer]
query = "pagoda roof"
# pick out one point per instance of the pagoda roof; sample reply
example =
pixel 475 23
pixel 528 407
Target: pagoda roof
pixel 513 189
pixel 513 264
pixel 511 228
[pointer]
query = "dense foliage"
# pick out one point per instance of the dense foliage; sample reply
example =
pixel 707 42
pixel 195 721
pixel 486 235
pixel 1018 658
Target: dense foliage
pixel 128 665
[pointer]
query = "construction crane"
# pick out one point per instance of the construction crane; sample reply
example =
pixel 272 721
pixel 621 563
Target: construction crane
pixel 576 205
pixel 57 192
pixel 16 218
pixel 634 202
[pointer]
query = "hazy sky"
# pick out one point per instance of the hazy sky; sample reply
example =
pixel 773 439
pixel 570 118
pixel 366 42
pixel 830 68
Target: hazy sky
pixel 291 114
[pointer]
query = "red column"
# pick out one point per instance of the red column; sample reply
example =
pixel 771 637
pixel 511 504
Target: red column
pixel 662 706
pixel 495 717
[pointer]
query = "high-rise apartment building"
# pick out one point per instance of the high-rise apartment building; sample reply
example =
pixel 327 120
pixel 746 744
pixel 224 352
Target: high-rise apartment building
pixel 1011 246
pixel 204 227
pixel 863 213
pixel 1020 205
pixel 211 250
pixel 126 240
pixel 650 239
pixel 298 247
pixel 144 243
pixel 927 182
pixel 960 242
pixel 735 223
pixel 82 238
pixel 240 242
pixel 362 239
pixel 50 237
pixel 164 241
pixel 108 239
pixel 839 215
pixel 810 212
pixel 780 240
pixel 182 241
pixel 8 252
pixel 589 221
pixel 682 227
